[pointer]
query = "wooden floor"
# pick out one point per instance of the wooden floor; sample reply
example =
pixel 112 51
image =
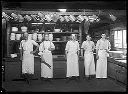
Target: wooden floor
pixel 59 82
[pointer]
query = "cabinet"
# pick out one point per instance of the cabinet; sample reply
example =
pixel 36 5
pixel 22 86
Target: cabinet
pixel 116 71
pixel 59 38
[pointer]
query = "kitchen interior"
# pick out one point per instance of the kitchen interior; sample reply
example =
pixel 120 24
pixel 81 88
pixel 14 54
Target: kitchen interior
pixel 39 18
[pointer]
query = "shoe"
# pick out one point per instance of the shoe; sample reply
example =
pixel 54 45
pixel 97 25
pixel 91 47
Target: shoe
pixel 68 79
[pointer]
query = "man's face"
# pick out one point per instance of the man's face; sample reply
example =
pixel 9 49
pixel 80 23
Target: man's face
pixel 46 37
pixel 103 36
pixel 73 37
pixel 26 35
pixel 88 38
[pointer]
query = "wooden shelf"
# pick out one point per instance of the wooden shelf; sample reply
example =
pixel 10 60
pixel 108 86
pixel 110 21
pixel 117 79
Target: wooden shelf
pixel 54 41
pixel 48 32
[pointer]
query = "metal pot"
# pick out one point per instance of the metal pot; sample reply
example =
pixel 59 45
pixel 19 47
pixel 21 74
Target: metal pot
pixel 14 29
pixel 57 30
pixel 18 36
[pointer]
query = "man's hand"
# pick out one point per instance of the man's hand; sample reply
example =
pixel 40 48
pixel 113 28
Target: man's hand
pixel 97 57
pixel 32 52
pixel 21 58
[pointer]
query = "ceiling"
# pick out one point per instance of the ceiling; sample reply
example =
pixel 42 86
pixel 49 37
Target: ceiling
pixel 121 5
pixel 75 6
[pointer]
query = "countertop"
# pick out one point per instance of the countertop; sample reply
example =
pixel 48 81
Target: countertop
pixel 122 63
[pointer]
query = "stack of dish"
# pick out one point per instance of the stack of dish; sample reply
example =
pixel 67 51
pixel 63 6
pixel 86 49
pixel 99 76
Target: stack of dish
pixel 12 37
pixel 18 36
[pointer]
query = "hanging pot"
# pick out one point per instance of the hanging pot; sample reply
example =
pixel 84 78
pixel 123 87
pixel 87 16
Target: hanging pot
pixel 21 19
pixel 66 18
pixel 80 18
pixel 18 36
pixel 28 18
pixel 86 18
pixel 42 17
pixel 6 16
pixel 61 18
pixel 34 17
pixel 72 18
pixel 14 16
pixel 55 17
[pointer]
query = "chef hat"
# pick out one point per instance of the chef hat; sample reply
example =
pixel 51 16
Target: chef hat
pixel 73 35
pixel 103 34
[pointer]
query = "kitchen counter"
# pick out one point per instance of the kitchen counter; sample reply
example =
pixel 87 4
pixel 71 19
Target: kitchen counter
pixel 122 63
pixel 117 69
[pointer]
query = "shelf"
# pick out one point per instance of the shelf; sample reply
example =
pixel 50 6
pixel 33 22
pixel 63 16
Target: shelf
pixel 53 41
pixel 48 32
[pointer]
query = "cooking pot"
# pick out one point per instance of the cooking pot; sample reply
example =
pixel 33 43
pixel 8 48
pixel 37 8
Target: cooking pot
pixel 18 36
pixel 12 36
pixel 57 39
pixel 57 30
pixel 24 29
pixel 14 29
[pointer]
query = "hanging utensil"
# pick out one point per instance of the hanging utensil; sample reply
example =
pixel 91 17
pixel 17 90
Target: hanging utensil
pixel 34 17
pixel 14 16
pixel 72 18
pixel 21 18
pixel 61 18
pixel 48 18
pixel 66 18
pixel 80 18
pixel 55 17
pixel 6 16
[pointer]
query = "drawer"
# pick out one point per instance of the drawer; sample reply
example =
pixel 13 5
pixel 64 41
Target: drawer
pixel 111 71
pixel 121 74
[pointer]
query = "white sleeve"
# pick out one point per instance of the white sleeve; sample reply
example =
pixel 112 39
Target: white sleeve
pixel 109 45
pixel 41 48
pixel 98 44
pixel 67 46
pixel 78 47
pixel 34 43
pixel 52 45
pixel 83 44
pixel 20 45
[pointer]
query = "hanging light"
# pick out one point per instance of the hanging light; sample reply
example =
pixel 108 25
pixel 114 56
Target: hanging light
pixel 62 10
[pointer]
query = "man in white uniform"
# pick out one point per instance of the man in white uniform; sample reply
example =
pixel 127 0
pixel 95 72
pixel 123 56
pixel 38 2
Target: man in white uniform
pixel 27 57
pixel 89 64
pixel 46 58
pixel 72 53
pixel 102 48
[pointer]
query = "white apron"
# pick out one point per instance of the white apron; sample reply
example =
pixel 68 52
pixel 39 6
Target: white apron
pixel 101 68
pixel 46 72
pixel 72 65
pixel 28 63
pixel 28 59
pixel 89 63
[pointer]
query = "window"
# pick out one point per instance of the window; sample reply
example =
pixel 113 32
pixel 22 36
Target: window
pixel 120 39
